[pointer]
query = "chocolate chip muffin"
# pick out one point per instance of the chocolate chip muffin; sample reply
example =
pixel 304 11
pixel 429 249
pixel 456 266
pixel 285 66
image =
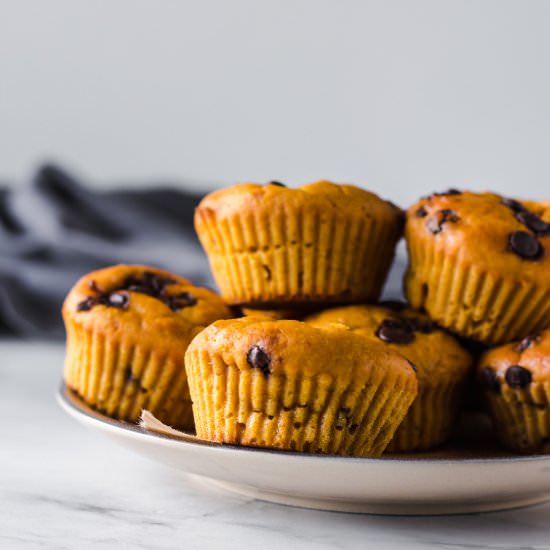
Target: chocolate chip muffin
pixel 479 264
pixel 515 381
pixel 442 367
pixel 128 328
pixel 273 246
pixel 289 385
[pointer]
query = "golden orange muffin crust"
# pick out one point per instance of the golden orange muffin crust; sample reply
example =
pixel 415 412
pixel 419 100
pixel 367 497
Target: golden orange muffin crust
pixel 289 385
pixel 322 242
pixel 479 264
pixel 442 367
pixel 515 379
pixel 128 328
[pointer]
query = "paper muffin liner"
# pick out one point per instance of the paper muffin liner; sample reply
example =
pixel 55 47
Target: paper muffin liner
pixel 521 417
pixel 300 255
pixel 122 377
pixel 317 414
pixel 479 304
pixel 430 420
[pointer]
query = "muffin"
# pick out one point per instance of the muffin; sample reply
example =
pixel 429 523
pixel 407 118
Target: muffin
pixel 515 381
pixel 277 247
pixel 289 385
pixel 442 367
pixel 128 328
pixel 479 264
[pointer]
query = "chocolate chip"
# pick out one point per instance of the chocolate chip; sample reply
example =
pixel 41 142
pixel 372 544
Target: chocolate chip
pixel 257 358
pixel 114 299
pixel 156 282
pixel 513 204
pixel 141 289
pixel 421 212
pixel 86 304
pixel 449 215
pixel 533 222
pixel 518 377
pixel 155 285
pixel 148 283
pixel 395 331
pixel 435 224
pixel 277 183
pixel 524 245
pixel 489 380
pixel 180 301
pixel 527 342
pixel 118 300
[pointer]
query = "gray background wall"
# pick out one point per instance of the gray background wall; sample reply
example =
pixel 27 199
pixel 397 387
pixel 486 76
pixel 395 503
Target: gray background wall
pixel 403 97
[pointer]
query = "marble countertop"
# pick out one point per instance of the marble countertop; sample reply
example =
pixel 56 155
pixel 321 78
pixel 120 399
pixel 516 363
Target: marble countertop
pixel 62 487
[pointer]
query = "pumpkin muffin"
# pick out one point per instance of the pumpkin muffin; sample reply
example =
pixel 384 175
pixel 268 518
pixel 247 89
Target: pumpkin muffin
pixel 128 328
pixel 442 367
pixel 479 264
pixel 515 381
pixel 273 246
pixel 289 385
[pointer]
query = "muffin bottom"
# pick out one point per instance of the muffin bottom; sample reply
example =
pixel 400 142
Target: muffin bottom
pixel 471 302
pixel 294 412
pixel 120 378
pixel 430 420
pixel 522 417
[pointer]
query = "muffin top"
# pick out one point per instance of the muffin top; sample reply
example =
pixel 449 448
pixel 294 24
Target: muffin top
pixel 487 230
pixel 252 199
pixel 517 365
pixel 285 347
pixel 437 356
pixel 152 302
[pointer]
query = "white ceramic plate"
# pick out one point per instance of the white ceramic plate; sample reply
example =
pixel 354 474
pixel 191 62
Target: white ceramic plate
pixel 448 482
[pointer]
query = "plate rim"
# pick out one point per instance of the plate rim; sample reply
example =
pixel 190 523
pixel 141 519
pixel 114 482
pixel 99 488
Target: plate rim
pixel 73 405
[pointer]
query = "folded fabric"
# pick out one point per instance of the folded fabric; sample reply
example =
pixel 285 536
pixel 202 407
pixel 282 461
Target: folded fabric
pixel 56 229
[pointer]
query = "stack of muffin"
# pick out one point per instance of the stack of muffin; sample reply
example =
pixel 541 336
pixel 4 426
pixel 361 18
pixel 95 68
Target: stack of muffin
pixel 297 354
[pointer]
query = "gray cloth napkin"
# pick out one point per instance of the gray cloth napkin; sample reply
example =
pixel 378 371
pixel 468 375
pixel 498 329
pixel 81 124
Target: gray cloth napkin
pixel 55 230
